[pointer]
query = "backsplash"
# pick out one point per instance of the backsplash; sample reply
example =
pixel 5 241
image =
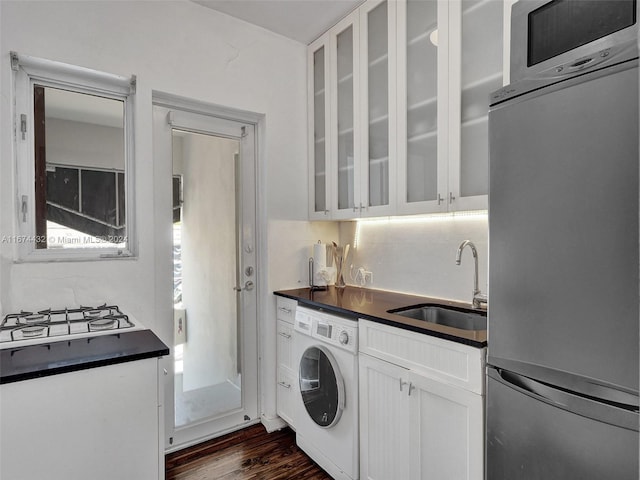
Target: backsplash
pixel 417 255
pixel 289 268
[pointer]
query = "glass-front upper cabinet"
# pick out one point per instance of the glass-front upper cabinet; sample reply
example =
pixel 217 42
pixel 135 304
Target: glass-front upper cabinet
pixel 422 94
pixel 479 58
pixel 409 82
pixel 378 43
pixel 319 144
pixel 345 120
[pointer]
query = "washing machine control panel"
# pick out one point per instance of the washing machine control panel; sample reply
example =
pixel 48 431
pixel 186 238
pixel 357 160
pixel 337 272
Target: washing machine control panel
pixel 324 329
pixel 338 331
pixel 336 334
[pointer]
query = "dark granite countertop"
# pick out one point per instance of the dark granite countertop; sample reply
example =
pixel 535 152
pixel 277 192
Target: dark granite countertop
pixel 374 305
pixel 34 361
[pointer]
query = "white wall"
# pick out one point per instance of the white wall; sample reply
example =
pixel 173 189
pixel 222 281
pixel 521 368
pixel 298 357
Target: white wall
pixel 291 269
pixel 181 48
pixel 418 256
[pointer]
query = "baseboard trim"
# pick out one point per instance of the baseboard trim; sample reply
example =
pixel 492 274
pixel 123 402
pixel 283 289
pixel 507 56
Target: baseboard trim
pixel 273 424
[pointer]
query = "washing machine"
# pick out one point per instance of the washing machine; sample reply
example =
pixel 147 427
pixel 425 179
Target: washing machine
pixel 326 354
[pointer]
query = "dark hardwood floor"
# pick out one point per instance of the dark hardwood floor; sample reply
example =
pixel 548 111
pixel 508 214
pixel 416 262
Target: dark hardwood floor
pixel 251 453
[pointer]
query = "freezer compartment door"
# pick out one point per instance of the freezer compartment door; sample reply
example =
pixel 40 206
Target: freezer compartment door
pixel 563 224
pixel 531 435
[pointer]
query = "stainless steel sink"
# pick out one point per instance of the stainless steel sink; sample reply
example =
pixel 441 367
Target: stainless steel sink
pixel 462 318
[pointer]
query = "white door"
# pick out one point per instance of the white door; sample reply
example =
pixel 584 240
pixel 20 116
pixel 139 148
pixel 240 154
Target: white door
pixel 446 433
pixel 384 420
pixel 212 386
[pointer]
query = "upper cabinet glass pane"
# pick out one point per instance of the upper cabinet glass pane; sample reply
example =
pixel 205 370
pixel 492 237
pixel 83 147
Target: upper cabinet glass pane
pixel 346 181
pixel 378 101
pixel 319 134
pixel 422 106
pixel 482 47
pixel 80 196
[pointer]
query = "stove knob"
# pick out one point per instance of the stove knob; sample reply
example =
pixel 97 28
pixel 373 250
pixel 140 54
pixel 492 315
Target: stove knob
pixel 343 338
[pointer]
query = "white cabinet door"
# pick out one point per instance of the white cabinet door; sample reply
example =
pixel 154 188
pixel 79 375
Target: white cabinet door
pixel 345 117
pixel 334 117
pixel 378 96
pixel 476 69
pixel 423 41
pixel 446 431
pixel 384 420
pixel 319 127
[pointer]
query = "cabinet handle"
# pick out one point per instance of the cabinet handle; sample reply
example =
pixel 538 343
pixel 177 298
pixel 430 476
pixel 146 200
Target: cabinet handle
pixel 285 385
pixel 285 335
pixel 409 384
pixel 451 197
pixel 440 199
pixel 411 388
pixel 285 310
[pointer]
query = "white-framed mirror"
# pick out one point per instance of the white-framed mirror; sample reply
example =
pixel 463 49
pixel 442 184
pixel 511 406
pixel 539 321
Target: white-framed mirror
pixel 74 159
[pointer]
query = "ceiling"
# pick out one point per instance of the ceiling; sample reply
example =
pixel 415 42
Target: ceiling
pixel 301 20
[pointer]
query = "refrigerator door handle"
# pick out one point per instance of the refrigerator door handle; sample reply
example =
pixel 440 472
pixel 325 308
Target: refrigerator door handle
pixel 625 416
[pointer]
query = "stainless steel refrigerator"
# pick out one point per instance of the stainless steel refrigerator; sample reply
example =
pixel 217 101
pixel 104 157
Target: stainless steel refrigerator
pixel 562 381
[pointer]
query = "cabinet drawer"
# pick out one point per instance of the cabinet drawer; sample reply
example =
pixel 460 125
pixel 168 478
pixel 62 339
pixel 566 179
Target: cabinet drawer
pixel 285 344
pixel 286 379
pixel 285 395
pixel 286 309
pixel 442 360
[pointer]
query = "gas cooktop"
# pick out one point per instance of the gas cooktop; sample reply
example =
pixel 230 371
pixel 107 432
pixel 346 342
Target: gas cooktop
pixel 52 325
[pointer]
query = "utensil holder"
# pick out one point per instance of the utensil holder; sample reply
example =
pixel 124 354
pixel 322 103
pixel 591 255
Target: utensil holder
pixel 340 255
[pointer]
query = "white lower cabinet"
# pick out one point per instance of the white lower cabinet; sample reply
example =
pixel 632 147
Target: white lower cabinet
pixel 384 420
pixel 414 423
pixel 286 373
pixel 99 424
pixel 445 430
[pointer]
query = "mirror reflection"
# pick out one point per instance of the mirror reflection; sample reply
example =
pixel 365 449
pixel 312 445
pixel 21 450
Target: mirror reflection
pixel 79 170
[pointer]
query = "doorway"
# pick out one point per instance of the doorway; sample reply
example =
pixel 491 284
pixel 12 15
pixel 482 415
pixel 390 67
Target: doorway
pixel 213 386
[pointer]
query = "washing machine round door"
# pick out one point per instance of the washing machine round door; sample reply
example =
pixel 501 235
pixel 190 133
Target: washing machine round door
pixel 321 386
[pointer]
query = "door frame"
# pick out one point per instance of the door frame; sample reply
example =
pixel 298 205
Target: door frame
pixel 163 244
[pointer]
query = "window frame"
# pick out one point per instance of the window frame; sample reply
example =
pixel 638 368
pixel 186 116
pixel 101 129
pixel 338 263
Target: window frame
pixel 27 72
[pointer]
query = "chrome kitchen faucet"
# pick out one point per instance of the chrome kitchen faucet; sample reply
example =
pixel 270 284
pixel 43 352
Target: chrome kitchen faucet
pixel 478 297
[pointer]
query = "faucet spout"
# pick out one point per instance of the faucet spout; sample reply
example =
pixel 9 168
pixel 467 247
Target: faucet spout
pixel 461 248
pixel 478 297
